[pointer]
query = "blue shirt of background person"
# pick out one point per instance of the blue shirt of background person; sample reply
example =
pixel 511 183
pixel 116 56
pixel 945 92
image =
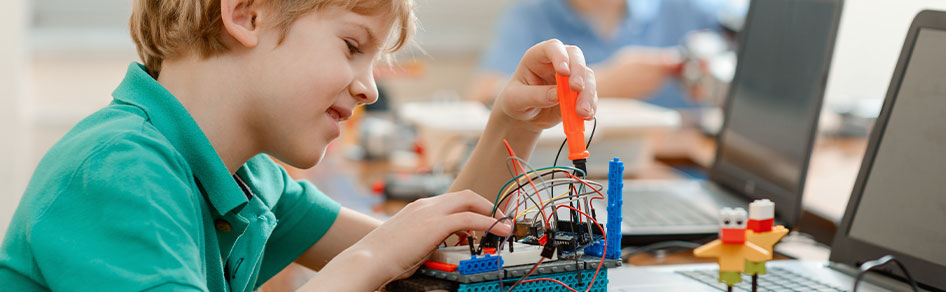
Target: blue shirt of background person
pixel 646 23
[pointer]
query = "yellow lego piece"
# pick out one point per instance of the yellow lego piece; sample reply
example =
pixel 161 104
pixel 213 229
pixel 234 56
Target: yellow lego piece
pixel 768 239
pixel 732 257
pixel 764 240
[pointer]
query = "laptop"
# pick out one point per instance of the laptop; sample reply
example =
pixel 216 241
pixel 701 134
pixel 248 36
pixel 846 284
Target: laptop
pixel 897 206
pixel 770 123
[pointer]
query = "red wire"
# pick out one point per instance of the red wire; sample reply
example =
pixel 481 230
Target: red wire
pixel 515 163
pixel 600 263
pixel 601 196
pixel 551 280
pixel 588 185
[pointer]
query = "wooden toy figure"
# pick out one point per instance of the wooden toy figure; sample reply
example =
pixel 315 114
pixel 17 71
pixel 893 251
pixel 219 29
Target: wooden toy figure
pixel 761 233
pixel 731 249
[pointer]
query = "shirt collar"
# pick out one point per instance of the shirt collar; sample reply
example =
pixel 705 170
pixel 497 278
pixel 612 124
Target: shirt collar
pixel 639 12
pixel 170 118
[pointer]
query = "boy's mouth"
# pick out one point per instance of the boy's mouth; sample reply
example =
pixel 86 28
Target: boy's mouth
pixel 339 114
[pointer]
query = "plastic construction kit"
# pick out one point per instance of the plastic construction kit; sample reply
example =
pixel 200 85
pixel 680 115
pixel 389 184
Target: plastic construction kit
pixel 744 246
pixel 579 259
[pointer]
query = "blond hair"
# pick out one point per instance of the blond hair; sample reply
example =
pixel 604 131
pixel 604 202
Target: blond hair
pixel 165 29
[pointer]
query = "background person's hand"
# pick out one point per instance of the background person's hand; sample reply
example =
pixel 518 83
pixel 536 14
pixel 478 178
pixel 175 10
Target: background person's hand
pixel 637 72
pixel 531 97
pixel 396 249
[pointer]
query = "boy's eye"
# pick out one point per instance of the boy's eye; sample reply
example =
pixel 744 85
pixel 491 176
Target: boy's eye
pixel 352 48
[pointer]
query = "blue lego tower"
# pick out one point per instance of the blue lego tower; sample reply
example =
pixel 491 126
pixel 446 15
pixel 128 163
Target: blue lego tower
pixel 615 201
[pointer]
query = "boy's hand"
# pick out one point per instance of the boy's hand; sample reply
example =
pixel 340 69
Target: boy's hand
pixel 398 247
pixel 530 95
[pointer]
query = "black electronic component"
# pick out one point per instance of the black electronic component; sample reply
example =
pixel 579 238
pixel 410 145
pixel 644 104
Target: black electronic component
pixel 549 250
pixel 535 229
pixel 490 240
pixel 566 248
pixel 473 250
pixel 581 163
pixel 565 242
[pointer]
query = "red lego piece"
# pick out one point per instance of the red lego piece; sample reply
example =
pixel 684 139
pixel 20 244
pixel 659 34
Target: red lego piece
pixel 759 226
pixel 440 266
pixel 378 187
pixel 489 250
pixel 732 235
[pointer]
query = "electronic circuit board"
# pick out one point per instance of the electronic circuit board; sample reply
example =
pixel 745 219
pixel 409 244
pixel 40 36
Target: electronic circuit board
pixel 569 254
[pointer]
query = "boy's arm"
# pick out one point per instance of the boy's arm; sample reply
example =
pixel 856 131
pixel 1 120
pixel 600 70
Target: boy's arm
pixel 349 227
pixel 527 105
pixel 485 170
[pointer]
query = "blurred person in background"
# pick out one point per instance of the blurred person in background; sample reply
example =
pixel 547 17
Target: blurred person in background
pixel 631 44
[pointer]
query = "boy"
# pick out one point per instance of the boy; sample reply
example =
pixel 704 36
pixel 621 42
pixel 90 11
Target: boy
pixel 168 188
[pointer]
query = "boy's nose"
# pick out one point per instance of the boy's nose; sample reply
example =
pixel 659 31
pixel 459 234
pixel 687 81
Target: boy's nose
pixel 364 90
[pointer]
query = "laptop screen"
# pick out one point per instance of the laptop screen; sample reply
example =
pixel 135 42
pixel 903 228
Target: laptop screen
pixel 775 100
pixel 903 203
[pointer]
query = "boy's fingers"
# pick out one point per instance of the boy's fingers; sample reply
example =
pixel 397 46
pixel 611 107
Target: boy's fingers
pixel 583 81
pixel 524 100
pixel 588 97
pixel 548 52
pixel 465 201
pixel 470 220
pixel 499 214
pixel 577 65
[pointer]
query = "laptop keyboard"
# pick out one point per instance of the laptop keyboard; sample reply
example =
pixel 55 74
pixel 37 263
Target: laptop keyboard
pixel 663 209
pixel 777 279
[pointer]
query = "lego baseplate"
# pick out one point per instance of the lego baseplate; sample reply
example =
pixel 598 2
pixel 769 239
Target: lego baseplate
pixel 558 266
pixel 576 280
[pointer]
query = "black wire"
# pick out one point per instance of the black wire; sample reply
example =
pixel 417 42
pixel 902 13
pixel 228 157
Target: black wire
pixel 562 147
pixel 522 185
pixel 499 247
pixel 559 153
pixel 587 145
pixel 507 218
pixel 526 275
pixel 866 267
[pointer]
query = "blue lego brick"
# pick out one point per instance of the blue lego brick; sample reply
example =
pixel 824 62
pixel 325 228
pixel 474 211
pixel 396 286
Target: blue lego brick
pixel 568 278
pixel 596 249
pixel 615 202
pixel 474 265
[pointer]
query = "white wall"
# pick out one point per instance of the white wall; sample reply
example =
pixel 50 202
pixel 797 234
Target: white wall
pixel 14 148
pixel 868 46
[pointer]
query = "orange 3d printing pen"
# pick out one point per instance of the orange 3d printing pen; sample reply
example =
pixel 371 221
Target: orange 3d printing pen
pixel 573 124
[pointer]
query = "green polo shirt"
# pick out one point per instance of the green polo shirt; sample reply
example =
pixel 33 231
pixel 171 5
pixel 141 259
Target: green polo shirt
pixel 135 198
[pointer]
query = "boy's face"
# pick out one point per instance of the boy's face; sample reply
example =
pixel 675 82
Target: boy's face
pixel 302 88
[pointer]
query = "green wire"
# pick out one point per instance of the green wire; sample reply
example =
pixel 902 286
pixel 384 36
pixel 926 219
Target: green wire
pixel 499 194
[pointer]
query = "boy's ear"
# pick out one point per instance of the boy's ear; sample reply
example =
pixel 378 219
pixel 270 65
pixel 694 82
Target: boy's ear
pixel 241 21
